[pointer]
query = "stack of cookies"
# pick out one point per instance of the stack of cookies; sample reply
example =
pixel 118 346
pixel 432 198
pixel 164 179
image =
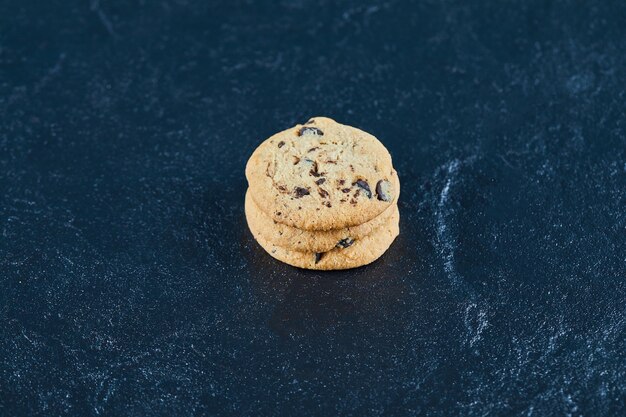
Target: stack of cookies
pixel 323 196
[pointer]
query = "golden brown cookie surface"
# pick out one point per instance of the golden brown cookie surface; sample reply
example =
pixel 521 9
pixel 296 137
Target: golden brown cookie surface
pixel 321 176
pixel 295 239
pixel 362 252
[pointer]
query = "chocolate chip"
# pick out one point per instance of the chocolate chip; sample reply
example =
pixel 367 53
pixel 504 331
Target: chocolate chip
pixel 310 121
pixel 318 257
pixel 341 182
pixel 353 202
pixel 345 243
pixel 383 190
pixel 327 204
pixel 352 168
pixel 278 213
pixel 364 186
pixel 296 160
pixel 307 130
pixel 301 192
pixel 281 144
pixel 345 190
pixel 314 171
pixel 320 181
pixel 282 188
pixel 323 193
pixel 312 149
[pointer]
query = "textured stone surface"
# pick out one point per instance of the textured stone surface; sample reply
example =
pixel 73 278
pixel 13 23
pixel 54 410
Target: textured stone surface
pixel 130 285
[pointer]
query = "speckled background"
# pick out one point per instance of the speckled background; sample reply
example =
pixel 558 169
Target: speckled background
pixel 130 285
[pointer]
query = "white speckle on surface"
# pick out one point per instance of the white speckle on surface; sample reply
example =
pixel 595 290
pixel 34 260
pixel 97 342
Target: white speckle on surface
pixel 475 322
pixel 445 239
pixel 579 83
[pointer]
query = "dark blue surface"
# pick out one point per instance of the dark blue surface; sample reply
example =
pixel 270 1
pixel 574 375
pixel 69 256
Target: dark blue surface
pixel 130 285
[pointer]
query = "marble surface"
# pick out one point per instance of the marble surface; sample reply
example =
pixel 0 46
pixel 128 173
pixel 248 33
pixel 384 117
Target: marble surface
pixel 130 285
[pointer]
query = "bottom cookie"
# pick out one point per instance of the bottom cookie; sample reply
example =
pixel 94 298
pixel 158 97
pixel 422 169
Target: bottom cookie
pixel 362 252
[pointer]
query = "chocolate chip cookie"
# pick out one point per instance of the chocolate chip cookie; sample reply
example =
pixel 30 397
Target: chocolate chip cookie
pixel 322 175
pixel 361 252
pixel 291 238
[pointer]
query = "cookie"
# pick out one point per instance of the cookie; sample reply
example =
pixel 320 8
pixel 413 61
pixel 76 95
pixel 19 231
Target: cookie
pixel 321 176
pixel 311 241
pixel 362 252
pixel 295 239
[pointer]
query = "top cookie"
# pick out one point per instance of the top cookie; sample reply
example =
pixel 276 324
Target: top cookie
pixel 321 176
